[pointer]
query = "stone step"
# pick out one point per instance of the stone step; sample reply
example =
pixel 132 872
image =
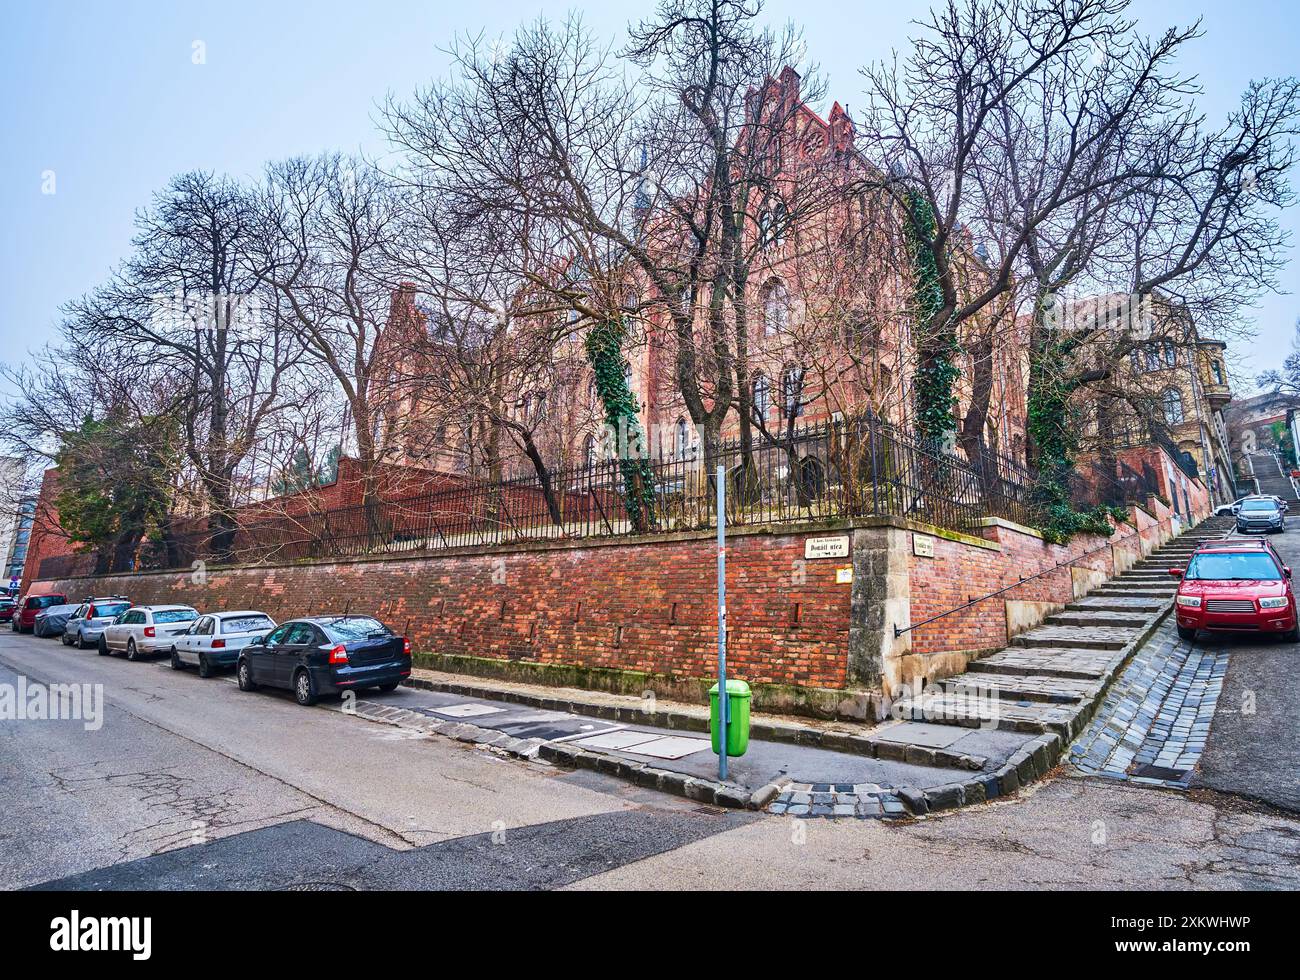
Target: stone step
pixel 1076 637
pixel 1021 687
pixel 1046 662
pixel 970 711
pixel 1136 589
pixel 922 744
pixel 1115 603
pixel 1095 617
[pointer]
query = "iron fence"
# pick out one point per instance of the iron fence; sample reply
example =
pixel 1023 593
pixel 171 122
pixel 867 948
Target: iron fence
pixel 861 467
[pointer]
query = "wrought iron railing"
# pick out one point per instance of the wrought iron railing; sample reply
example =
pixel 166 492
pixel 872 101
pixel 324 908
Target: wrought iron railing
pixel 830 471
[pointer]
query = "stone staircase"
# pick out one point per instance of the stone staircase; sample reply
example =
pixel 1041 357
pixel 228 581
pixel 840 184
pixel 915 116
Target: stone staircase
pixel 1272 480
pixel 1048 678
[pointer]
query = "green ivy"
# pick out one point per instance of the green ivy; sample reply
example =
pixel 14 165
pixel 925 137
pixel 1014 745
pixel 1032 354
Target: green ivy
pixel 604 346
pixel 1053 425
pixel 937 374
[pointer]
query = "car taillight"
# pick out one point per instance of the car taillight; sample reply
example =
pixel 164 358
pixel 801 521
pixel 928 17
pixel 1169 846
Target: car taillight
pixel 150 631
pixel 339 655
pixel 90 613
pixel 406 646
pixel 218 644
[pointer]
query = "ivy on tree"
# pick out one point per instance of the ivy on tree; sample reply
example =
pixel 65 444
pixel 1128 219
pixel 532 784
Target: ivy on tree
pixel 604 346
pixel 937 372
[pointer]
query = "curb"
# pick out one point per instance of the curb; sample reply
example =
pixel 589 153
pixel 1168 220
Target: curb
pixel 763 731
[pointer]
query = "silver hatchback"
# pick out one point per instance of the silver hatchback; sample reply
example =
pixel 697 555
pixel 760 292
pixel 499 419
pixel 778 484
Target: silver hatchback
pixel 85 625
pixel 145 629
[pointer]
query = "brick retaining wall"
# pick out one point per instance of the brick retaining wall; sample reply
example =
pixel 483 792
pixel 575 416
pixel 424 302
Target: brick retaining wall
pixel 587 612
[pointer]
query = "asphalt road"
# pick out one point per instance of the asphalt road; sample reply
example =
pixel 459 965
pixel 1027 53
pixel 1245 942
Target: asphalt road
pixel 192 784
pixel 1254 744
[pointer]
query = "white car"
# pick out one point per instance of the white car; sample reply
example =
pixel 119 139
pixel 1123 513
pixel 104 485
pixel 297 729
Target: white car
pixel 146 629
pixel 215 639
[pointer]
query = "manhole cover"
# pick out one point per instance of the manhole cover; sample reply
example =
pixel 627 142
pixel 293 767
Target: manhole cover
pixel 318 886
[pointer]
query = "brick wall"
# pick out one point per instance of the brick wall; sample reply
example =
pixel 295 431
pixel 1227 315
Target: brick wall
pixel 648 607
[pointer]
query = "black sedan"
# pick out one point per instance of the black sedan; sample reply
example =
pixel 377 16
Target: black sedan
pixel 53 621
pixel 325 655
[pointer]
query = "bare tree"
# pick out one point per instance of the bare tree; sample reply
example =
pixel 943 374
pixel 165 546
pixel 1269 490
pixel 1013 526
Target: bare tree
pixel 326 230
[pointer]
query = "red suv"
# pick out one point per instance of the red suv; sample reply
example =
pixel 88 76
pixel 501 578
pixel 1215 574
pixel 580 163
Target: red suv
pixel 1243 587
pixel 28 606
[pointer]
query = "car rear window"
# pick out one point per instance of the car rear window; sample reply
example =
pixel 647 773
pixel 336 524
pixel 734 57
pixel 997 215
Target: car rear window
pixel 102 609
pixel 45 601
pixel 175 616
pixel 355 628
pixel 1242 566
pixel 246 624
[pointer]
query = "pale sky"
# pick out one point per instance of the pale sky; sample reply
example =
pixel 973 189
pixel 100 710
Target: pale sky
pixel 107 97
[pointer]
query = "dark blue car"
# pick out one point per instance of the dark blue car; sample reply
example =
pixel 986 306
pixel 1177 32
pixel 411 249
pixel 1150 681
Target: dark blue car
pixel 325 655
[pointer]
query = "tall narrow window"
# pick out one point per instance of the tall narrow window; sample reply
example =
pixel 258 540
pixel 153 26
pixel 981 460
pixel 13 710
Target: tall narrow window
pixel 1173 404
pixel 683 438
pixel 776 309
pixel 792 391
pixel 762 395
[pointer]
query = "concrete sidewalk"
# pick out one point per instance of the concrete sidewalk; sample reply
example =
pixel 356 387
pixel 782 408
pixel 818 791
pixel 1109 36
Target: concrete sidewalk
pixel 800 779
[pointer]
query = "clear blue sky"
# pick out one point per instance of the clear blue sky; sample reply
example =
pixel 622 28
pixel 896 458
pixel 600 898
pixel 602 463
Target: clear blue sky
pixel 107 97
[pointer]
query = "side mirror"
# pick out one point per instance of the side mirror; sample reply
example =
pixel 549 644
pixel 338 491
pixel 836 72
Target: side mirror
pixel 1176 572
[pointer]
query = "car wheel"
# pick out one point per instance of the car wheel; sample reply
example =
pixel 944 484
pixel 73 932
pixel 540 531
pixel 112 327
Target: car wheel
pixel 176 660
pixel 388 687
pixel 205 669
pixel 132 653
pixel 1291 636
pixel 1187 632
pixel 103 646
pixel 81 640
pixel 63 639
pixel 245 677
pixel 304 691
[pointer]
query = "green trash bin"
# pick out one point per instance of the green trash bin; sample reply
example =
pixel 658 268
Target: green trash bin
pixel 737 717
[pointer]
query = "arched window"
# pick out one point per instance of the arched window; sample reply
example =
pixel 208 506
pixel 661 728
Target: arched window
pixel 762 395
pixel 776 309
pixel 589 452
pixel 1171 354
pixel 792 391
pixel 1173 405
pixel 682 438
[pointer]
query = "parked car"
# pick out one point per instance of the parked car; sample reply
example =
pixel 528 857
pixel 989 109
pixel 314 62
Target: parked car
pixel 1243 589
pixel 1240 544
pixel 214 640
pixel 1260 514
pixel 145 629
pixel 51 622
pixel 325 655
pixel 1228 510
pixel 28 607
pixel 8 606
pixel 91 617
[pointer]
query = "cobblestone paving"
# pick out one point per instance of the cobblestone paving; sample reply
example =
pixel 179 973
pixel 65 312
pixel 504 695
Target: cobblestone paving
pixel 1154 722
pixel 862 800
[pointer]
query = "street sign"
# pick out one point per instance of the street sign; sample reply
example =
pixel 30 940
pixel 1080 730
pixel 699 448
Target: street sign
pixel 923 545
pixel 836 547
